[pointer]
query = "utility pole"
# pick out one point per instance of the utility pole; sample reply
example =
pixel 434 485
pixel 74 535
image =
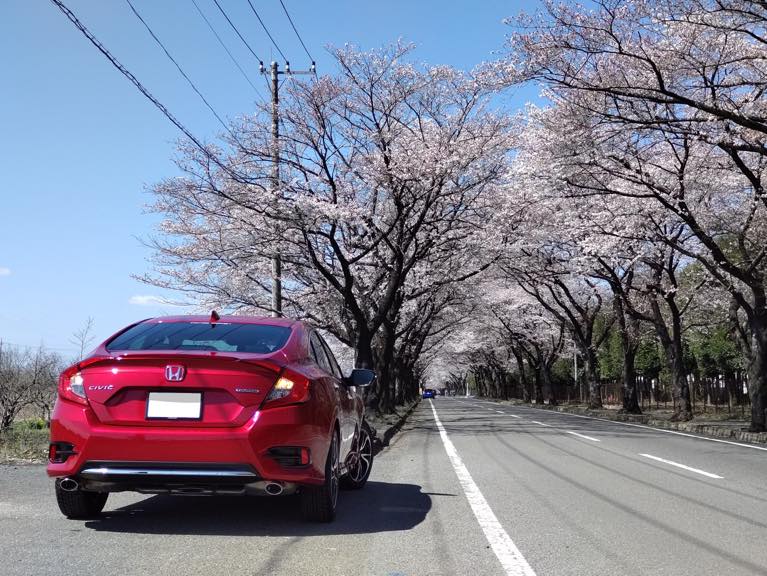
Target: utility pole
pixel 275 86
pixel 575 371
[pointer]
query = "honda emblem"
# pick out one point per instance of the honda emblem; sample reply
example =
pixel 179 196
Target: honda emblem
pixel 174 372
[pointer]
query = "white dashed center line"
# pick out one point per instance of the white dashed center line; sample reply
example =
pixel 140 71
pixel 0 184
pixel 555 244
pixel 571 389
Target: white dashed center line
pixel 583 436
pixel 678 465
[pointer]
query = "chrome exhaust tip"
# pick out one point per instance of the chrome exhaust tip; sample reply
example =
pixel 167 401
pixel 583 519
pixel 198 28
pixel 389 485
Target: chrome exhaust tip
pixel 69 485
pixel 273 489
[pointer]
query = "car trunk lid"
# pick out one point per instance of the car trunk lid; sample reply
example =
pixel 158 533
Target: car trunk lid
pixel 231 387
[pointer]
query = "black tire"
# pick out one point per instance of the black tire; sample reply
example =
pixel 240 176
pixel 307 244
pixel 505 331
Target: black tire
pixel 318 503
pixel 79 504
pixel 361 463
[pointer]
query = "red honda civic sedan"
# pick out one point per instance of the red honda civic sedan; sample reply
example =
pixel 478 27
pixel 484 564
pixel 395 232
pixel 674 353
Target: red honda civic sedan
pixel 210 405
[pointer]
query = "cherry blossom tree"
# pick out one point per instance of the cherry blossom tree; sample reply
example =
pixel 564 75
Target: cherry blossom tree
pixel 387 173
pixel 672 83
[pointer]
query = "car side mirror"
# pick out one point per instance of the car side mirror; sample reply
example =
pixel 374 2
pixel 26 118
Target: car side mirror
pixel 361 377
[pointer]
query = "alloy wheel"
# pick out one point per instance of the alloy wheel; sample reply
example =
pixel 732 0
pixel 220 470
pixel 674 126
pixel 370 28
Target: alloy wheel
pixel 334 468
pixel 362 458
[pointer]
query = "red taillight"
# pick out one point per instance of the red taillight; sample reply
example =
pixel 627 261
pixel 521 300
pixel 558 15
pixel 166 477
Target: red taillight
pixel 290 388
pixel 72 385
pixel 72 381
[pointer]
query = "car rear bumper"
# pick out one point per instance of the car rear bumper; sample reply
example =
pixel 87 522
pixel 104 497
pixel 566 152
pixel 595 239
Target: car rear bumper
pixel 188 455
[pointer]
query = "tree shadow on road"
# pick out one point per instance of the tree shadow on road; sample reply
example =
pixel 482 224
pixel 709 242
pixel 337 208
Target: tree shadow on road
pixel 379 507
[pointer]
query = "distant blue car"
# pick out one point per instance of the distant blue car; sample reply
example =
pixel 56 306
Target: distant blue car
pixel 429 393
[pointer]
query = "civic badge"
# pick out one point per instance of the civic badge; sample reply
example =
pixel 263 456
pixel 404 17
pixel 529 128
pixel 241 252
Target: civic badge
pixel 175 372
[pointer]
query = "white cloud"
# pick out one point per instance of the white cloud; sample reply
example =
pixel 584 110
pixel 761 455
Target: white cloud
pixel 148 300
pixel 5 271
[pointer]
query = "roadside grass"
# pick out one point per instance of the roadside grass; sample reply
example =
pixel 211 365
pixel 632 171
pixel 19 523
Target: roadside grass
pixel 737 414
pixel 715 423
pixel 25 442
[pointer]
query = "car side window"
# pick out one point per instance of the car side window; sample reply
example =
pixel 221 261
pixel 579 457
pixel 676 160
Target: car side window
pixel 336 369
pixel 319 353
pixel 313 352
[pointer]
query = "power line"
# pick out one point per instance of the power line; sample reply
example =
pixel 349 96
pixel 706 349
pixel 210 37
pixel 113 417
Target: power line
pixel 159 105
pixel 220 41
pixel 296 31
pixel 236 31
pixel 266 30
pixel 93 40
pixel 178 66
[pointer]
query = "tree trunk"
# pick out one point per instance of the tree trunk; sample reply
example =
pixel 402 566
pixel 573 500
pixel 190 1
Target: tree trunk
pixel 6 421
pixel 630 396
pixel 385 367
pixel 680 388
pixel 401 379
pixel 363 351
pixel 628 329
pixel 594 386
pixel 549 384
pixel 757 377
pixel 364 358
pixel 522 375
pixel 671 340
pixel 538 386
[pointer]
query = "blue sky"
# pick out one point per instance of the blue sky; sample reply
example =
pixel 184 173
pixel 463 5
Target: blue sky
pixel 80 144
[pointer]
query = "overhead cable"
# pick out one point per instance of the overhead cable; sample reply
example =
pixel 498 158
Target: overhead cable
pixel 236 30
pixel 135 81
pixel 231 56
pixel 266 30
pixel 296 31
pixel 178 66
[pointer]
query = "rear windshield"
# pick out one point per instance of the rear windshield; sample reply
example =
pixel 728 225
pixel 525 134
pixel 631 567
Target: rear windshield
pixel 223 337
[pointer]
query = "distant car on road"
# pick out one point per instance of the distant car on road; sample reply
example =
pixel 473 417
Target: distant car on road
pixel 210 405
pixel 429 393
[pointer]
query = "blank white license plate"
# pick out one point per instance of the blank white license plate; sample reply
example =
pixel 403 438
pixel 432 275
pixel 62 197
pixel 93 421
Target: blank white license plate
pixel 174 405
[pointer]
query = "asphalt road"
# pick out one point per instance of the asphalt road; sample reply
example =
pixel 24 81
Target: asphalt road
pixel 489 490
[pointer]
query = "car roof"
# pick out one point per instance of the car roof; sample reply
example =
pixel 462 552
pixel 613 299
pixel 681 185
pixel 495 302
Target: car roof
pixel 265 320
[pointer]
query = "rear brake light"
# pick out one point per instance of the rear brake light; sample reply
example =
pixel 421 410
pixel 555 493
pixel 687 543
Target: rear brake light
pixel 72 385
pixel 290 388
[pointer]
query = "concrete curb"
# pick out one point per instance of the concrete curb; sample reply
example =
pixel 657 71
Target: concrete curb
pixel 704 429
pixel 381 442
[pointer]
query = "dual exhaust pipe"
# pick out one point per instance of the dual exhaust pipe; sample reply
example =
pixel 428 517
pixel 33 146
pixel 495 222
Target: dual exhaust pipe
pixel 71 485
pixel 273 488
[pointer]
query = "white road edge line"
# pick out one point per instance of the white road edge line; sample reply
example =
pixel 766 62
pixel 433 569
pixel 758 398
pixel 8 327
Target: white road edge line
pixel 514 564
pixel 652 428
pixel 583 436
pixel 678 465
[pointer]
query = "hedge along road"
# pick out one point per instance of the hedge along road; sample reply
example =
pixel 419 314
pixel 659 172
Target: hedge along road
pixel 487 490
